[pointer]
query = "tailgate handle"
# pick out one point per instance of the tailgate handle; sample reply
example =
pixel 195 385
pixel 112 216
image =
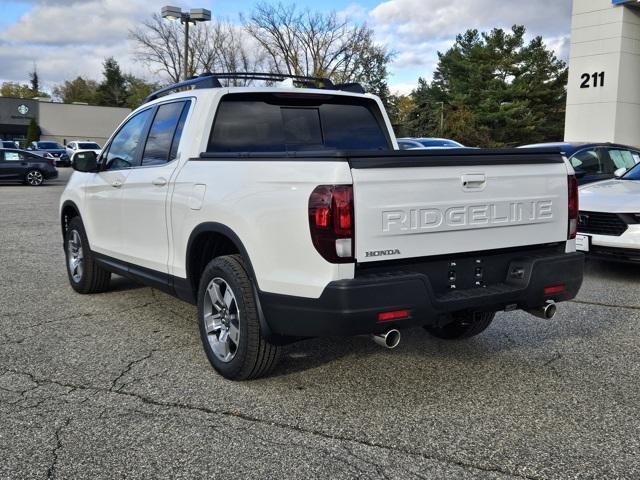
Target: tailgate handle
pixel 474 180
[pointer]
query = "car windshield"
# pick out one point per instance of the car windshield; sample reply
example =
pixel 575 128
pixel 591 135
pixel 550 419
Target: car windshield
pixel 89 146
pixel 439 143
pixel 633 174
pixel 48 145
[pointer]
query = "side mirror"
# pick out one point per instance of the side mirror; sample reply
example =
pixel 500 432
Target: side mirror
pixel 620 172
pixel 85 161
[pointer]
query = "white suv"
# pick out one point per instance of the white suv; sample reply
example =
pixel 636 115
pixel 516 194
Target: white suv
pixel 287 213
pixel 82 146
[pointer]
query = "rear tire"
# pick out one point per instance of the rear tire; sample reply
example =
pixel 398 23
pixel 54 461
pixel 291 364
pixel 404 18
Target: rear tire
pixel 85 275
pixel 34 178
pixel 464 325
pixel 229 322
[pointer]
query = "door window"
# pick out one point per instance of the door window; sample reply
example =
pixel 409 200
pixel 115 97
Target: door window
pixel 178 135
pixel 13 156
pixel 623 158
pixel 123 152
pixel 587 161
pixel 163 128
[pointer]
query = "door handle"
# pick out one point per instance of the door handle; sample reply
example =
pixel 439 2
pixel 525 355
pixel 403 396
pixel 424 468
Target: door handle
pixel 116 184
pixel 159 182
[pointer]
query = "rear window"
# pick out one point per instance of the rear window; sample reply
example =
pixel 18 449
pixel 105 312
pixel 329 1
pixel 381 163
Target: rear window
pixel 272 123
pixel 51 145
pixel 89 146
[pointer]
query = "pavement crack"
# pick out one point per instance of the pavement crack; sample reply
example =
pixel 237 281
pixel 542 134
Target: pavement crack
pixel 127 369
pixel 51 471
pixel 608 305
pixel 271 423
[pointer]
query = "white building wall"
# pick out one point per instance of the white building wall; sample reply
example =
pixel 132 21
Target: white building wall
pixel 604 38
pixel 60 121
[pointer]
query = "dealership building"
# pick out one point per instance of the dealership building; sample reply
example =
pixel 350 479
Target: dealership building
pixel 59 122
pixel 603 98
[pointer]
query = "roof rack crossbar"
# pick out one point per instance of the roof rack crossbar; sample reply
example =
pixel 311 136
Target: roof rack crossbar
pixel 212 80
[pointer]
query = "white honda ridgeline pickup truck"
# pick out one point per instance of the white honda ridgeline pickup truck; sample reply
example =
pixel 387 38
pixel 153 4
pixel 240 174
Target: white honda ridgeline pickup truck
pixel 286 212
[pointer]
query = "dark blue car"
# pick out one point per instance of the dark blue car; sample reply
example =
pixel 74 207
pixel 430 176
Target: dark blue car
pixel 595 161
pixel 26 167
pixel 58 151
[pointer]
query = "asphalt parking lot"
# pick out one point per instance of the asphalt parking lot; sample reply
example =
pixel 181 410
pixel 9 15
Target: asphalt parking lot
pixel 117 385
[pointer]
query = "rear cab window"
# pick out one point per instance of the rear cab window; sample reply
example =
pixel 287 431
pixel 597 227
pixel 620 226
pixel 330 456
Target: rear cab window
pixel 263 123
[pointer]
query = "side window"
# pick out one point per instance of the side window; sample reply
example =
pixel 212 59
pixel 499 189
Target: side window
pixel 178 135
pixel 161 133
pixel 13 156
pixel 622 158
pixel 124 146
pixel 587 161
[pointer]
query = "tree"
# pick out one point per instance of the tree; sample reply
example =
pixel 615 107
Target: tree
pixel 399 109
pixel 320 45
pixel 35 82
pixel 137 90
pixel 15 89
pixel 33 132
pixel 213 46
pixel 77 90
pixel 112 92
pixel 494 90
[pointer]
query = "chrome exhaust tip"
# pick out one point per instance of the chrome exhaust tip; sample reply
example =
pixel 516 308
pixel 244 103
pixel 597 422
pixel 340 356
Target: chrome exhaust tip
pixel 547 312
pixel 390 339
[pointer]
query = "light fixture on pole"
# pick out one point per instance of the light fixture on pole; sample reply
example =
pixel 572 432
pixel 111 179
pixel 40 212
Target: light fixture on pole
pixel 192 16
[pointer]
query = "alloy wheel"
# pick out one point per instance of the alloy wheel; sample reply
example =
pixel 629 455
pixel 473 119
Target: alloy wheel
pixel 34 178
pixel 75 256
pixel 222 319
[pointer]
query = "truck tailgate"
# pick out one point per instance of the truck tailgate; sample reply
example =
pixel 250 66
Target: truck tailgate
pixel 414 204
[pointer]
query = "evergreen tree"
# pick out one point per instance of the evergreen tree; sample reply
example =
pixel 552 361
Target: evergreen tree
pixel 33 132
pixel 497 91
pixel 35 81
pixel 112 92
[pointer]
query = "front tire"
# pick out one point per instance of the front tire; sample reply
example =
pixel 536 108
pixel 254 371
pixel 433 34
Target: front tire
pixel 229 323
pixel 85 275
pixel 464 325
pixel 34 178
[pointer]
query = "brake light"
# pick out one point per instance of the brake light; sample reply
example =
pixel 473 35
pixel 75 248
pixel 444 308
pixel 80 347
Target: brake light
pixel 573 207
pixel 331 222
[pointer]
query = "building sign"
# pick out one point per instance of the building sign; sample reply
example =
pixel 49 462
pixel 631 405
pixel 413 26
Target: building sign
pixel 23 109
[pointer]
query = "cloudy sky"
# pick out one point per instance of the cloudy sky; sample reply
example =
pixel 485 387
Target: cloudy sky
pixel 66 38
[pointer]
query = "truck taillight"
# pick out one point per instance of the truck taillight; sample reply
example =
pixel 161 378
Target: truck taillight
pixel 331 222
pixel 573 207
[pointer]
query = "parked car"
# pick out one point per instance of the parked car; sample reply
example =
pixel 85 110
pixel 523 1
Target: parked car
pixel 609 218
pixel 9 144
pixel 27 167
pixel 81 146
pixel 58 151
pixel 420 143
pixel 287 213
pixel 595 161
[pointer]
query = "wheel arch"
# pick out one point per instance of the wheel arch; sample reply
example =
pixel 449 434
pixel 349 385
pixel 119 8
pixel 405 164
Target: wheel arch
pixel 208 241
pixel 68 211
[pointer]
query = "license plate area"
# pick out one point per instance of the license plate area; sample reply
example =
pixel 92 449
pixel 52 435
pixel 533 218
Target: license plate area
pixel 462 272
pixel 583 243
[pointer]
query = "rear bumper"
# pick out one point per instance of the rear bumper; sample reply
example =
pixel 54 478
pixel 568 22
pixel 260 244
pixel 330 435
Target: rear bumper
pixel 351 307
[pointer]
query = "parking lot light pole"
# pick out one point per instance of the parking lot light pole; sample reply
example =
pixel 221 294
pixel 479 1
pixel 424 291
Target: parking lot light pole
pixel 192 16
